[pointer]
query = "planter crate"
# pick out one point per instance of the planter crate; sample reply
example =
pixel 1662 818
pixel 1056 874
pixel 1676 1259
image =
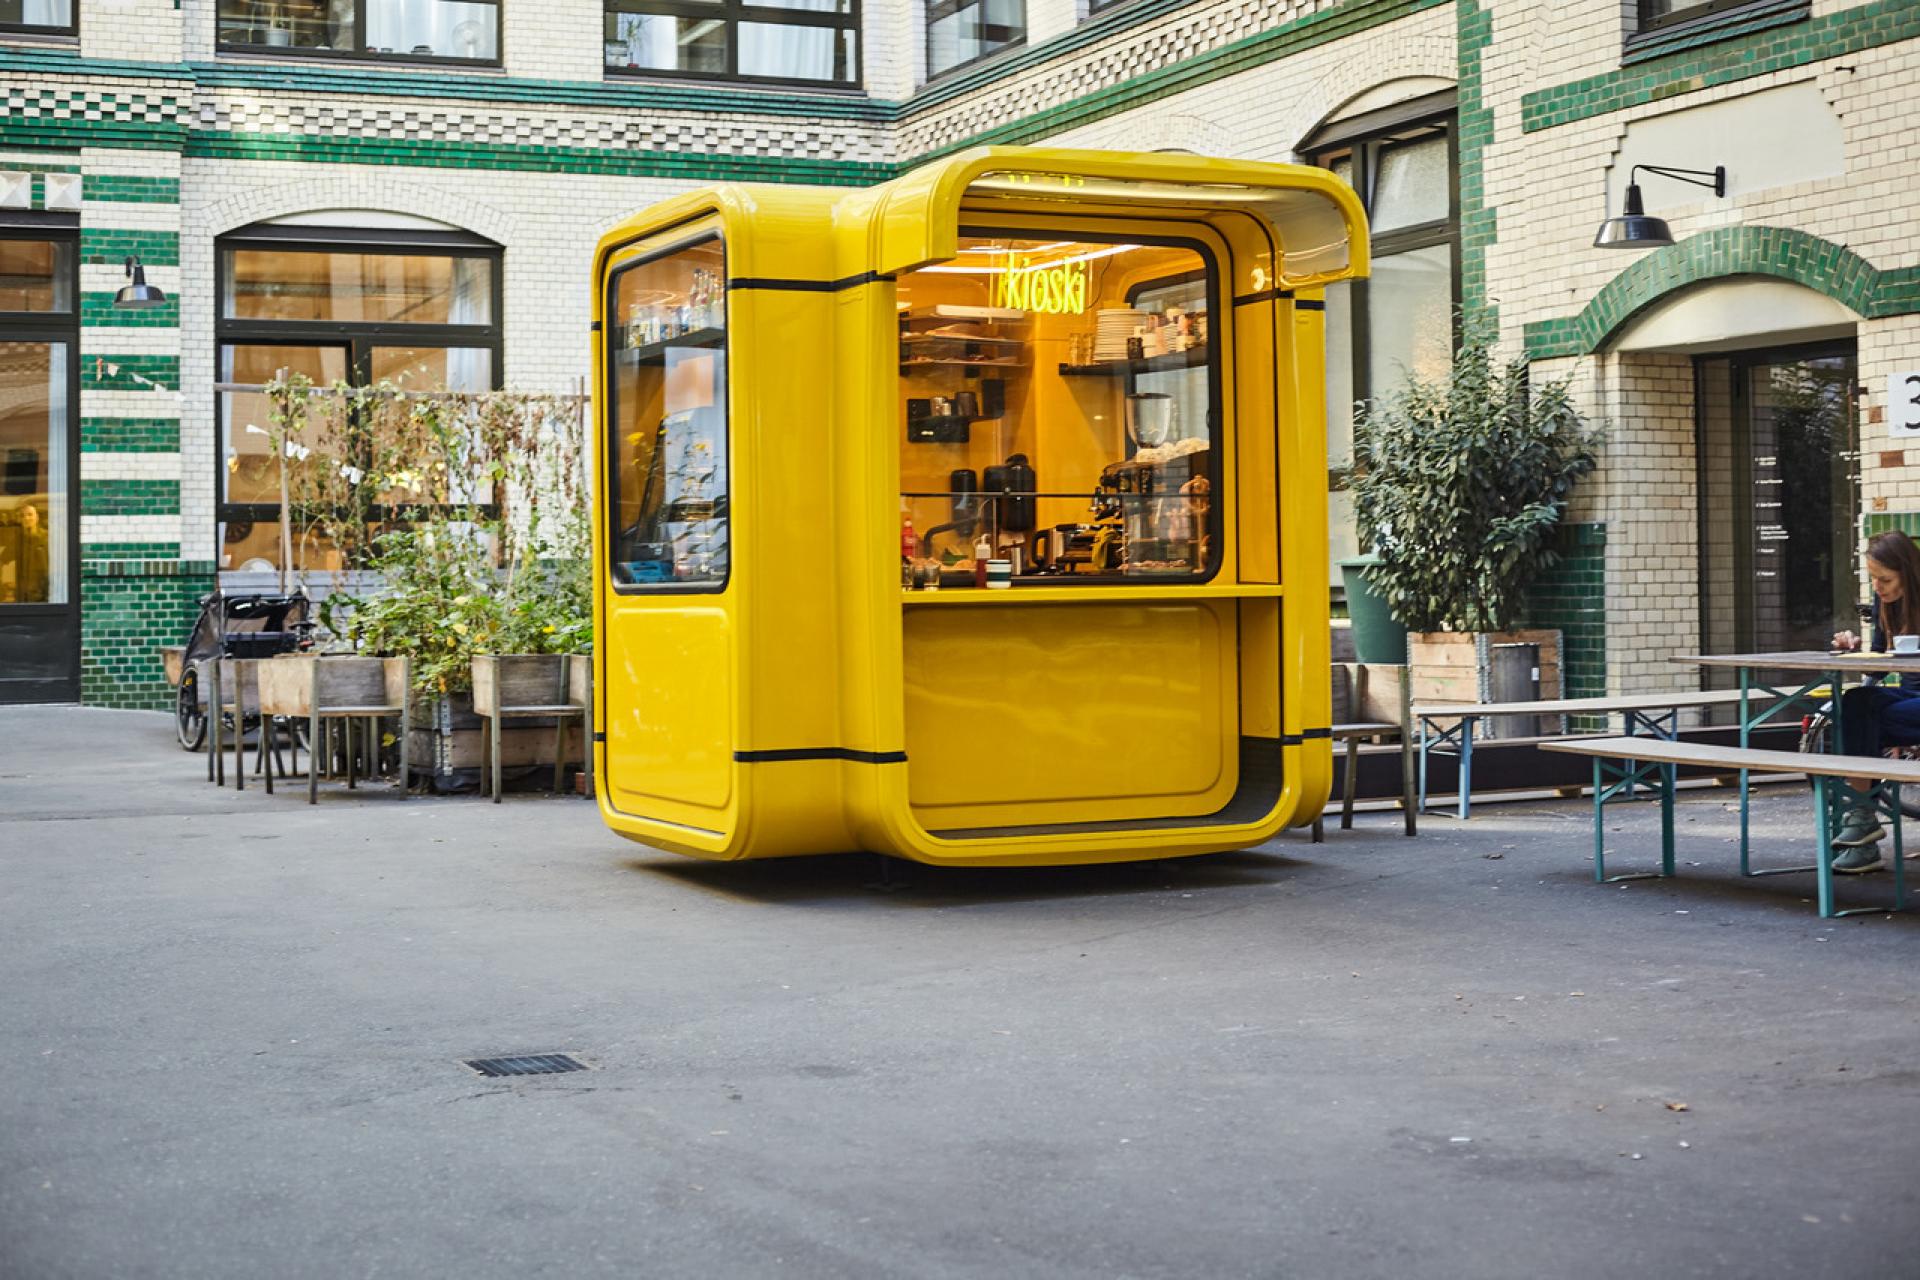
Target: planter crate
pixel 448 744
pixel 1456 666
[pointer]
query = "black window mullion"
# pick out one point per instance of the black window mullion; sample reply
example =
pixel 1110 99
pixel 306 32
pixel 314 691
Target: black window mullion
pixel 731 14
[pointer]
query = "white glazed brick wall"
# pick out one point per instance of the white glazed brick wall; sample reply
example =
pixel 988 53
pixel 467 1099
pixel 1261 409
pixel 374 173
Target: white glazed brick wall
pixel 1178 35
pixel 1645 490
pixel 1886 347
pixel 1550 190
pixel 127 529
pixel 1267 113
pixel 554 39
pixel 142 30
pixel 1049 18
pixel 893 47
pixel 107 342
pixel 1550 186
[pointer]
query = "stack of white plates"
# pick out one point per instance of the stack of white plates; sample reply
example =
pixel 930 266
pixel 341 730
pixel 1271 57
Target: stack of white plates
pixel 1112 327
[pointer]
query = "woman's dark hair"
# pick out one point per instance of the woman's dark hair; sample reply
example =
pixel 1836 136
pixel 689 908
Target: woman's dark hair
pixel 1894 550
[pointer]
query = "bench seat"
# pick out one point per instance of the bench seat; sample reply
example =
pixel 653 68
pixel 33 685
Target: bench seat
pixel 1658 758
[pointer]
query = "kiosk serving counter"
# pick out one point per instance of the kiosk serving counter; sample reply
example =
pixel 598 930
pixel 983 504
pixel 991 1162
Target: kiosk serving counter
pixel 974 518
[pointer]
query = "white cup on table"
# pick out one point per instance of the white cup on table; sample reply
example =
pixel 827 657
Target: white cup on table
pixel 1906 644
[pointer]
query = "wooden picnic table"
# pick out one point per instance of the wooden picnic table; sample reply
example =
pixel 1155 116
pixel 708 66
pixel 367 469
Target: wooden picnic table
pixel 1829 671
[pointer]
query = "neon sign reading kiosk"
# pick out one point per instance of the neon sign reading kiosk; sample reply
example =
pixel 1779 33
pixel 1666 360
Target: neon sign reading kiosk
pixel 1079 392
pixel 1052 289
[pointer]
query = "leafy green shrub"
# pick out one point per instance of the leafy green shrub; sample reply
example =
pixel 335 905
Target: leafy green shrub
pixel 1458 484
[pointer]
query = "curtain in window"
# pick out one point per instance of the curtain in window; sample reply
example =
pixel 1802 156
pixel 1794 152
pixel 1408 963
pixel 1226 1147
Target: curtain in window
pixel 47 13
pixel 437 28
pixel 469 368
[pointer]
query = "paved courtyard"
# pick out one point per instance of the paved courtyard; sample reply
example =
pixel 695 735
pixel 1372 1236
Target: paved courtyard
pixel 234 1026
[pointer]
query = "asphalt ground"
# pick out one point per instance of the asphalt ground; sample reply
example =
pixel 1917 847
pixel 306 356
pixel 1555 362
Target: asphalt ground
pixel 233 1030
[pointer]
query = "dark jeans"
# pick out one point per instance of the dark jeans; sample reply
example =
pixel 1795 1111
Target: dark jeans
pixel 1876 716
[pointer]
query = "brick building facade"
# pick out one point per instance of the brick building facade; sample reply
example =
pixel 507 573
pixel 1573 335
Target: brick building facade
pixel 163 129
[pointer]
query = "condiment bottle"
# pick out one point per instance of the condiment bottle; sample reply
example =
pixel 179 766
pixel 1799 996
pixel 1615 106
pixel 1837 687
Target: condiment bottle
pixel 982 552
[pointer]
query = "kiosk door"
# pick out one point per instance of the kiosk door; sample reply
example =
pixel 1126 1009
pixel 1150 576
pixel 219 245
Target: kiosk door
pixel 668 632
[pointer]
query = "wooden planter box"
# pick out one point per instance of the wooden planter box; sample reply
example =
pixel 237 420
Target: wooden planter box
pixel 1456 666
pixel 448 743
pixel 291 685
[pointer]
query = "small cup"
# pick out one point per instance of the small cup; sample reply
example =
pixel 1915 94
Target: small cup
pixel 1906 644
pixel 999 573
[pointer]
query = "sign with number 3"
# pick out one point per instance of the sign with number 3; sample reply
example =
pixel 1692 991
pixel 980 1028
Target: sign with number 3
pixel 1903 404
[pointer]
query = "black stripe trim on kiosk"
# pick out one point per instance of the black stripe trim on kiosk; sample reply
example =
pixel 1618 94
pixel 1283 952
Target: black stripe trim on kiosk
pixel 809 286
pixel 819 753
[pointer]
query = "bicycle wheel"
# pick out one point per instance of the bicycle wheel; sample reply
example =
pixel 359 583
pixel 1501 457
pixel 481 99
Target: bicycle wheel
pixel 189 717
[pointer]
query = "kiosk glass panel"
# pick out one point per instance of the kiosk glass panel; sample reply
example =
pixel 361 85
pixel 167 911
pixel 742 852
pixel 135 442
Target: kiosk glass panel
pixel 666 374
pixel 1059 403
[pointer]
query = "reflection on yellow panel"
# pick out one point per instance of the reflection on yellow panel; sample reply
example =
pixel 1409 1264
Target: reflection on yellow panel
pixel 1001 706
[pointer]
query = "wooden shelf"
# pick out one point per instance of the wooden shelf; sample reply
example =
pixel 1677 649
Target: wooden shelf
pixel 908 338
pixel 1120 590
pixel 944 363
pixel 656 352
pixel 1191 358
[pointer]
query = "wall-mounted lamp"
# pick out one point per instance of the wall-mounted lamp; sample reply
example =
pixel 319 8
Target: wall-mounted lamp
pixel 139 293
pixel 1633 229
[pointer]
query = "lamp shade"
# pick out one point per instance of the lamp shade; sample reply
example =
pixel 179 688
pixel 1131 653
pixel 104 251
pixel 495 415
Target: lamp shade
pixel 1633 229
pixel 139 293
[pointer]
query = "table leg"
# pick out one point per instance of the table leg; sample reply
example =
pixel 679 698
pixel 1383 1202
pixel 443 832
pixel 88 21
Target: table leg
pixel 1668 775
pixel 1423 764
pixel 1746 735
pixel 1899 851
pixel 1823 855
pixel 1599 825
pixel 1346 798
pixel 1466 765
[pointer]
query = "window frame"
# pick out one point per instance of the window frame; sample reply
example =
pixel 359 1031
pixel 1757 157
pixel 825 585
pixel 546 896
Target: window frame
pixel 1365 138
pixel 45 29
pixel 358 337
pixel 936 9
pixel 611 426
pixel 1648 21
pixel 730 14
pixel 362 54
pixel 55 328
pixel 65 231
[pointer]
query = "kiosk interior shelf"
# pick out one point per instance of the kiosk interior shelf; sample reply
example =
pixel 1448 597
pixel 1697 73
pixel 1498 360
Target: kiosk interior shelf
pixel 656 352
pixel 1049 591
pixel 1191 358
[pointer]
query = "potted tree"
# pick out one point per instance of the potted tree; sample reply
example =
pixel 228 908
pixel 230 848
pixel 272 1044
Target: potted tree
pixel 1459 483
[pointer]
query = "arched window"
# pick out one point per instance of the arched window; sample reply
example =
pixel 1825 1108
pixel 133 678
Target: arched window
pixel 416 307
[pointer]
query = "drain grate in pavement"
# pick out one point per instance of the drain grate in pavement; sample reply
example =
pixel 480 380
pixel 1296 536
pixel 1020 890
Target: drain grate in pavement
pixel 531 1064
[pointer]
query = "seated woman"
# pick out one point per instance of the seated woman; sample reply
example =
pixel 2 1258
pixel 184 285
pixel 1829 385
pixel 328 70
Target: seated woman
pixel 1876 716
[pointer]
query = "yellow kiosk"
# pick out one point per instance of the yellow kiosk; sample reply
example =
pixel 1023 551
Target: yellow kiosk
pixel 974 518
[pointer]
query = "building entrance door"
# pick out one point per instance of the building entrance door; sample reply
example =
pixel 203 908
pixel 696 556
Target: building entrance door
pixel 1779 510
pixel 39 597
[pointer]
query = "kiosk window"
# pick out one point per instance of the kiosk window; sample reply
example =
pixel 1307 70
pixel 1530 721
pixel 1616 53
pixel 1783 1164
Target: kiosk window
pixel 1059 400
pixel 667 378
